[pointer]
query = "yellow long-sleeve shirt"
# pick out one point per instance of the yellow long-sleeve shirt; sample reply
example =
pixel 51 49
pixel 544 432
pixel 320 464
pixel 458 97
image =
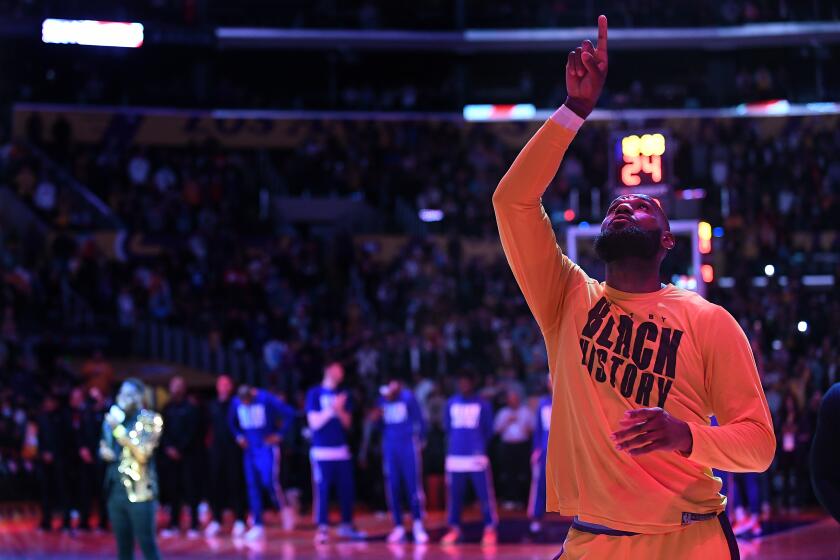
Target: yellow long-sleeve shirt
pixel 611 351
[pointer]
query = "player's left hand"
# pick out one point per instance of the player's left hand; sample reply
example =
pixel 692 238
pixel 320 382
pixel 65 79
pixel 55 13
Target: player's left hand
pixel 652 429
pixel 272 439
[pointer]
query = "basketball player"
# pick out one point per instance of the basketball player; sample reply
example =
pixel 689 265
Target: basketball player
pixel 637 367
pixel 259 422
pixel 403 431
pixel 536 502
pixel 328 412
pixel 468 420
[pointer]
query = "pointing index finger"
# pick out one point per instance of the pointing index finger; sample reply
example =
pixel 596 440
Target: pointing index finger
pixel 602 33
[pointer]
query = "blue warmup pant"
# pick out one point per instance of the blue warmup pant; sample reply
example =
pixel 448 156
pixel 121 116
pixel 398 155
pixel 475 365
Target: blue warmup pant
pixel 536 501
pixel 262 474
pixel 325 475
pixel 747 491
pixel 482 483
pixel 402 467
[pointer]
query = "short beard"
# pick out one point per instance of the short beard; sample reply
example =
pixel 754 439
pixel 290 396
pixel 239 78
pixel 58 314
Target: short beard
pixel 631 241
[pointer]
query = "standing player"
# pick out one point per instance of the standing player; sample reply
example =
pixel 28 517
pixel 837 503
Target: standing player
pixel 328 412
pixel 179 447
pixel 637 367
pixel 468 420
pixel 226 463
pixel 536 502
pixel 403 433
pixel 259 421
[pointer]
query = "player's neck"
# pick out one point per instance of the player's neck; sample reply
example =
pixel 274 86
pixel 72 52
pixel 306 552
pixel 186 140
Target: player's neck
pixel 328 384
pixel 634 276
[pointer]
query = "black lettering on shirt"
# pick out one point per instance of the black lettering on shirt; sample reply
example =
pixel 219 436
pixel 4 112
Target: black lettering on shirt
pixel 642 355
pixel 596 317
pixel 625 334
pixel 666 355
pixel 645 387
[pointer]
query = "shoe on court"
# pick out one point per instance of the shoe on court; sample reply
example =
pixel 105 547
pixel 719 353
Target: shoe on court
pixel 193 534
pixel 321 535
pixel 420 534
pixel 489 537
pixel 453 536
pixel 348 532
pixel 255 533
pixel 288 515
pixel 535 527
pixel 169 533
pixel 397 535
pixel 239 529
pixel 212 529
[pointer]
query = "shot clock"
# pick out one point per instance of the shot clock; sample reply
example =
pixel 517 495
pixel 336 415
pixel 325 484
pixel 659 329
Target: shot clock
pixel 641 163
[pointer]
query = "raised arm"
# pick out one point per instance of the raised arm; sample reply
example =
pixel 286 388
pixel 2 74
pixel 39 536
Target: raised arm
pixel 543 273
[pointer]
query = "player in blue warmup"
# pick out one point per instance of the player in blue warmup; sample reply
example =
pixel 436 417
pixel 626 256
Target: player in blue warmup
pixel 328 412
pixel 403 433
pixel 536 502
pixel 259 420
pixel 469 426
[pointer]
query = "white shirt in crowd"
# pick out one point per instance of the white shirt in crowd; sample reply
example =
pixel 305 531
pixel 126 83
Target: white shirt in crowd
pixel 514 425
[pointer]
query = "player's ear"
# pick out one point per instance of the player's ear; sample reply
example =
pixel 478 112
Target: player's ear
pixel 668 241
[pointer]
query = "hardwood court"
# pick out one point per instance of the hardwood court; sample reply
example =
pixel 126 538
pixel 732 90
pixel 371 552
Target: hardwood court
pixel 816 540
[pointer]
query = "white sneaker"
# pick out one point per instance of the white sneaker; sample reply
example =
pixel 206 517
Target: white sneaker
pixel 322 535
pixel 420 535
pixel 535 527
pixel 169 533
pixel 255 533
pixel 348 532
pixel 193 534
pixel 239 529
pixel 397 534
pixel 212 529
pixel 288 515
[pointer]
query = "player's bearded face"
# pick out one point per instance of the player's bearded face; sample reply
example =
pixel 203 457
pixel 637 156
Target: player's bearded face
pixel 630 241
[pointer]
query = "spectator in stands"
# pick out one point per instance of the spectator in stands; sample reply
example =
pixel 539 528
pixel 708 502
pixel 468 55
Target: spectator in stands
pixel 98 373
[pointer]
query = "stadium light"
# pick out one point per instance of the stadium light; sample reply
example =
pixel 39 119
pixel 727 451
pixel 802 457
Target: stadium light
pixel 769 270
pixel 707 272
pixel 92 33
pixel 802 326
pixel 569 215
pixel 429 215
pixel 704 234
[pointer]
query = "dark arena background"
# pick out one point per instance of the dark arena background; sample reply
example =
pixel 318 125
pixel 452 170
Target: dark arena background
pixel 227 199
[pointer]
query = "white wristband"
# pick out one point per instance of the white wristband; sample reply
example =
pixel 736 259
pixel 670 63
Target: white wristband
pixel 567 118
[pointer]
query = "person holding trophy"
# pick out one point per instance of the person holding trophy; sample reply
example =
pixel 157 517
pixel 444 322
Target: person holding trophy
pixel 130 434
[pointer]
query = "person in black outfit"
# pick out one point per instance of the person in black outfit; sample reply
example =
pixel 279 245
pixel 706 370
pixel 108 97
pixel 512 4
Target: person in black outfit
pixel 84 442
pixel 52 462
pixel 97 409
pixel 825 453
pixel 179 448
pixel 226 476
pixel 130 434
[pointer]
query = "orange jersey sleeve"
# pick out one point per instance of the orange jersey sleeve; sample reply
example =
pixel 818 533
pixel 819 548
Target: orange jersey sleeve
pixel 544 274
pixel 744 441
